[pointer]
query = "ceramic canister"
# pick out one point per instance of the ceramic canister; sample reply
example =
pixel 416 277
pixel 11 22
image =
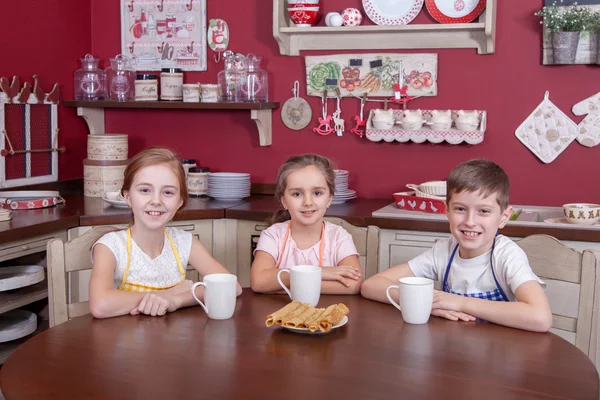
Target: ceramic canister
pixel 107 147
pixel 210 93
pixel 146 87
pixel 171 84
pixel 102 176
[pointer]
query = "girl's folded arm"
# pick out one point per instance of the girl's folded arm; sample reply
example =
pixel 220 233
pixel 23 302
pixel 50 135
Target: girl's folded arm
pixel 349 283
pixel 205 264
pixel 263 275
pixel 105 300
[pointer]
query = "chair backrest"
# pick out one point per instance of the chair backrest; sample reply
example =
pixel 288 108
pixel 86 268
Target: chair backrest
pixel 64 258
pixel 366 241
pixel 573 289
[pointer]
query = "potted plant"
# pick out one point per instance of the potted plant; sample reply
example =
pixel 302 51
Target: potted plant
pixel 566 24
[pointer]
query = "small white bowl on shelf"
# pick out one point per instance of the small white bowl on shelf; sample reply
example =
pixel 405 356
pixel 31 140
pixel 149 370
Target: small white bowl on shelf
pixel 582 213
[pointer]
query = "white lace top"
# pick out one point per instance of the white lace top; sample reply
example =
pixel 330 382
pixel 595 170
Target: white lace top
pixel 160 272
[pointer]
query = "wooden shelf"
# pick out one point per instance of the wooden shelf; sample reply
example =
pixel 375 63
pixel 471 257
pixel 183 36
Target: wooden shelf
pixel 479 35
pixel 7 348
pixel 93 112
pixel 16 298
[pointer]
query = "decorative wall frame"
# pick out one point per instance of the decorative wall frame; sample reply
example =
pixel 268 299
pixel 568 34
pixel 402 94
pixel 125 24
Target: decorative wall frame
pixel 28 133
pixel 164 33
pixel 374 74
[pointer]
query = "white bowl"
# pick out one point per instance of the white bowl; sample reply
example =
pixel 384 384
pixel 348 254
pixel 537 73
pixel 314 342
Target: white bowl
pixel 436 188
pixel 582 213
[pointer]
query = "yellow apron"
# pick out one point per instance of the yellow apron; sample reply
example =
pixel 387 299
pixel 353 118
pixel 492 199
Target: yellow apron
pixel 134 287
pixel 287 235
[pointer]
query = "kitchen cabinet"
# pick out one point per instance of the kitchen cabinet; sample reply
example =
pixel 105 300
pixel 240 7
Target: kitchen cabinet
pixel 480 34
pixel 93 112
pixel 13 299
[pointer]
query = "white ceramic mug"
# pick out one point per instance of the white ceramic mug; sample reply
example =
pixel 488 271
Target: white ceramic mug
pixel 305 283
pixel 415 297
pixel 219 295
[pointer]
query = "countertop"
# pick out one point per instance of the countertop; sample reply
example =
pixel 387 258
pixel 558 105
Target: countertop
pixel 88 211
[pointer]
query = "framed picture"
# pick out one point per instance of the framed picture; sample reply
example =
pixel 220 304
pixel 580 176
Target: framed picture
pixel 158 34
pixel 374 74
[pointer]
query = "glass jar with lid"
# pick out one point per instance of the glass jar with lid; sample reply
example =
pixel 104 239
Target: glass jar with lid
pixel 254 86
pixel 120 79
pixel 89 80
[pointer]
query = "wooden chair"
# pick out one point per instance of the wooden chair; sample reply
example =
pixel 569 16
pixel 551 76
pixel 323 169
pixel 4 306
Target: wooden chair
pixel 65 258
pixel 573 290
pixel 366 241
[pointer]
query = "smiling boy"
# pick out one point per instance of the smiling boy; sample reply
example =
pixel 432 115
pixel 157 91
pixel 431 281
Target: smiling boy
pixel 482 274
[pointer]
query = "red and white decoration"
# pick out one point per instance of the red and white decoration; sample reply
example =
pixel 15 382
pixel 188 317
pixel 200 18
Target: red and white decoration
pixel 452 135
pixel 28 200
pixel 352 17
pixel 455 11
pixel 28 133
pixel 589 128
pixel 392 12
pixel 411 202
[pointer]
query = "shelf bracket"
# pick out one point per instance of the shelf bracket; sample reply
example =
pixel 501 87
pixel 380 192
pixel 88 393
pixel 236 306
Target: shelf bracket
pixel 94 117
pixel 264 125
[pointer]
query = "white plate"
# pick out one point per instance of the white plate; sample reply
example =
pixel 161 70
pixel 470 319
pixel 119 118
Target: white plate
pixel 16 324
pixel 228 175
pixel 455 11
pixel 227 198
pixel 307 331
pixel 115 199
pixel 392 12
pixel 563 220
pixel 20 276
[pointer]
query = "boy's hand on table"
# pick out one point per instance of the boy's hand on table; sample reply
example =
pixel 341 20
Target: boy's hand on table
pixel 449 306
pixel 452 315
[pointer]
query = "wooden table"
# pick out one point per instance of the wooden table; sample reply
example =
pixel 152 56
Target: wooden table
pixel 375 356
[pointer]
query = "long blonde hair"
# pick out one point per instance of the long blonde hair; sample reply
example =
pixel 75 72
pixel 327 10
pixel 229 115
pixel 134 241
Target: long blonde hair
pixel 155 156
pixel 295 163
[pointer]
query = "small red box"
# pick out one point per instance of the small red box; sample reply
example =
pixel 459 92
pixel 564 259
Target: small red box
pixel 408 201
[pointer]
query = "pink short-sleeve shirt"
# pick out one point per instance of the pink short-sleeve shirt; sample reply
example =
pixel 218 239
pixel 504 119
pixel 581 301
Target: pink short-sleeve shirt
pixel 338 245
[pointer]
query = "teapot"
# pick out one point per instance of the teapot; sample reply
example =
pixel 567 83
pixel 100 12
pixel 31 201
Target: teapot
pixel 467 121
pixel 383 119
pixel 412 120
pixel 440 120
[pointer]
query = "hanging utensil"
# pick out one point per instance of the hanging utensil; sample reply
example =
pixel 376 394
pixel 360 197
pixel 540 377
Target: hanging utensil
pixel 217 37
pixel 296 112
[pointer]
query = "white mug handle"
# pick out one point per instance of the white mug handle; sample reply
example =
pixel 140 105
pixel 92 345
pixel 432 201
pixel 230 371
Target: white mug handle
pixel 387 292
pixel 194 286
pixel 281 283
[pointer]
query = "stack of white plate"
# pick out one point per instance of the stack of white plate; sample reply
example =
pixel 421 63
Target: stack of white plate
pixel 228 186
pixel 342 193
pixel 4 215
pixel 115 199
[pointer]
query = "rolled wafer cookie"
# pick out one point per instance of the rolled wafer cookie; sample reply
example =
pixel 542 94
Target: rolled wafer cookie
pixel 334 318
pixel 277 315
pixel 286 318
pixel 312 318
pixel 314 326
pixel 299 319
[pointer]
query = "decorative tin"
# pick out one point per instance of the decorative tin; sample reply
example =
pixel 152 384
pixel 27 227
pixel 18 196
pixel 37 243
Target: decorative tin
pixel 102 176
pixel 171 84
pixel 107 147
pixel 146 87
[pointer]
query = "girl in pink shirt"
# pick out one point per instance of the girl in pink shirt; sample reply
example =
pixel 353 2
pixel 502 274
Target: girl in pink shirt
pixel 298 235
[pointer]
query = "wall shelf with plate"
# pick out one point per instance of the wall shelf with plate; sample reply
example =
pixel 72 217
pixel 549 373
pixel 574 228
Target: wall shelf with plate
pixel 480 35
pixel 93 112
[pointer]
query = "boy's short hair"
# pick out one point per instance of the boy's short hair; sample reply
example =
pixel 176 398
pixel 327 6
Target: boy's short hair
pixel 479 175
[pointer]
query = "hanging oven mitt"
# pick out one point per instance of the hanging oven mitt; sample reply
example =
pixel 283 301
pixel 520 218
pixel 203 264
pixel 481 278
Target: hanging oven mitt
pixel 547 131
pixel 589 128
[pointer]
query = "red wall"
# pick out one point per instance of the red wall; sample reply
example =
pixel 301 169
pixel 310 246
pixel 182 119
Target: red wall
pixel 508 84
pixel 47 38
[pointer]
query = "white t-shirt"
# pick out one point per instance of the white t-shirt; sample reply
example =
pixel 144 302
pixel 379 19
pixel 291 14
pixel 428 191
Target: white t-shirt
pixel 474 275
pixel 161 271
pixel 338 245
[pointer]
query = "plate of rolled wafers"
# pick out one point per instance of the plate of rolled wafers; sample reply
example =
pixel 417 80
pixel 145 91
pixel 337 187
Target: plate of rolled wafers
pixel 304 318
